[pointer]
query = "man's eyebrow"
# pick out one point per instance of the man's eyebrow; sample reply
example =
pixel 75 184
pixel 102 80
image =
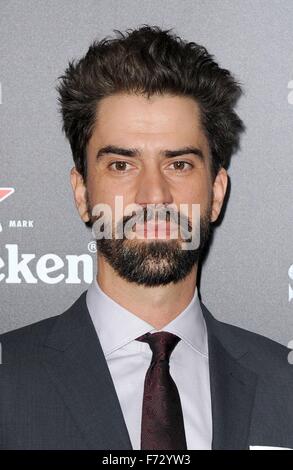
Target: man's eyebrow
pixel 133 152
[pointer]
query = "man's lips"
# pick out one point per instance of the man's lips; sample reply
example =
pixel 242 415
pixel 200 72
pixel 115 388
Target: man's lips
pixel 156 228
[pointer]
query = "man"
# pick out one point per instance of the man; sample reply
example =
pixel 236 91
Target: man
pixel 138 361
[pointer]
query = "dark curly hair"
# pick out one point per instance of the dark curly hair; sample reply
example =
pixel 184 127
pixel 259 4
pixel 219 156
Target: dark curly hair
pixel 150 60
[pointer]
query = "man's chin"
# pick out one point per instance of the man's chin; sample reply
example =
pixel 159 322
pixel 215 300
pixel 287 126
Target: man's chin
pixel 149 263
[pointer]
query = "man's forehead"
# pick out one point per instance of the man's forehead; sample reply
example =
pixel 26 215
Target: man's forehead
pixel 164 119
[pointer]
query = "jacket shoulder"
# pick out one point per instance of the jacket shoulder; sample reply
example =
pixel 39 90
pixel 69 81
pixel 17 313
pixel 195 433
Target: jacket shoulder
pixel 25 338
pixel 36 333
pixel 259 353
pixel 267 355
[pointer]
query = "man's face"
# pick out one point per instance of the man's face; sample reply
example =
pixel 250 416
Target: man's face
pixel 149 175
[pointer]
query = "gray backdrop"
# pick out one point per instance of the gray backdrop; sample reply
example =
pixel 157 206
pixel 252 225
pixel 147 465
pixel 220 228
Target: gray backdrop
pixel 246 279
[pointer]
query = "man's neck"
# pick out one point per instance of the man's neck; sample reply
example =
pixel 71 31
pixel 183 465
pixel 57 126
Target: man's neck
pixel 158 306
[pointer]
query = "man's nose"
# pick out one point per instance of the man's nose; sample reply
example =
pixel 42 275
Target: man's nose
pixel 152 188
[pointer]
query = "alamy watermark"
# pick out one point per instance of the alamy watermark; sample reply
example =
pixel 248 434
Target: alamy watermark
pixel 149 221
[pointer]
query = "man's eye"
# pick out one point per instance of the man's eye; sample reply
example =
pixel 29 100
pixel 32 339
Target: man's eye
pixel 179 165
pixel 118 166
pixel 121 166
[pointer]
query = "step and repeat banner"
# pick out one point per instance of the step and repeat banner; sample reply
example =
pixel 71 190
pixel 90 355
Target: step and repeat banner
pixel 47 255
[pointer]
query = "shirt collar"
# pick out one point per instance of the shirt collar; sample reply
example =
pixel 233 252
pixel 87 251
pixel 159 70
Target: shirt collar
pixel 117 326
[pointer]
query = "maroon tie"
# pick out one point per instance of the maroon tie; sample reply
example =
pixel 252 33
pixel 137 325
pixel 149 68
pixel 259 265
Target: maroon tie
pixel 162 425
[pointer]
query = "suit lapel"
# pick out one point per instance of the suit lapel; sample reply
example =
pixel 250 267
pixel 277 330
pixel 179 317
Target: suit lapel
pixel 233 387
pixel 73 358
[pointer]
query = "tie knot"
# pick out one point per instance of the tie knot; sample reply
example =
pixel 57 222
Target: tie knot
pixel 161 343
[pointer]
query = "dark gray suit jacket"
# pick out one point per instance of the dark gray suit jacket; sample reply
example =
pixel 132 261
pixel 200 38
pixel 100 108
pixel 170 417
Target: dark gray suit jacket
pixel 56 391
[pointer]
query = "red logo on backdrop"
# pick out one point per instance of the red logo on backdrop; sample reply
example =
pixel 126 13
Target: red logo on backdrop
pixel 5 192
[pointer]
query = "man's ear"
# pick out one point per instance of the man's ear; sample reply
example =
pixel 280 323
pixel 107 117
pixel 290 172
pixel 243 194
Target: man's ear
pixel 79 192
pixel 219 191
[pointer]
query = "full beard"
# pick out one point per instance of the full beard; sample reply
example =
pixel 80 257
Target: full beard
pixel 153 263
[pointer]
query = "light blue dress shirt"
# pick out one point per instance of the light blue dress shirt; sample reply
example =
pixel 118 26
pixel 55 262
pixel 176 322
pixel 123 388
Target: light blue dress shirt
pixel 128 361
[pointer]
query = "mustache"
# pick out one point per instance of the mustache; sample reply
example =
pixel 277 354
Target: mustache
pixel 146 214
pixel 168 215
